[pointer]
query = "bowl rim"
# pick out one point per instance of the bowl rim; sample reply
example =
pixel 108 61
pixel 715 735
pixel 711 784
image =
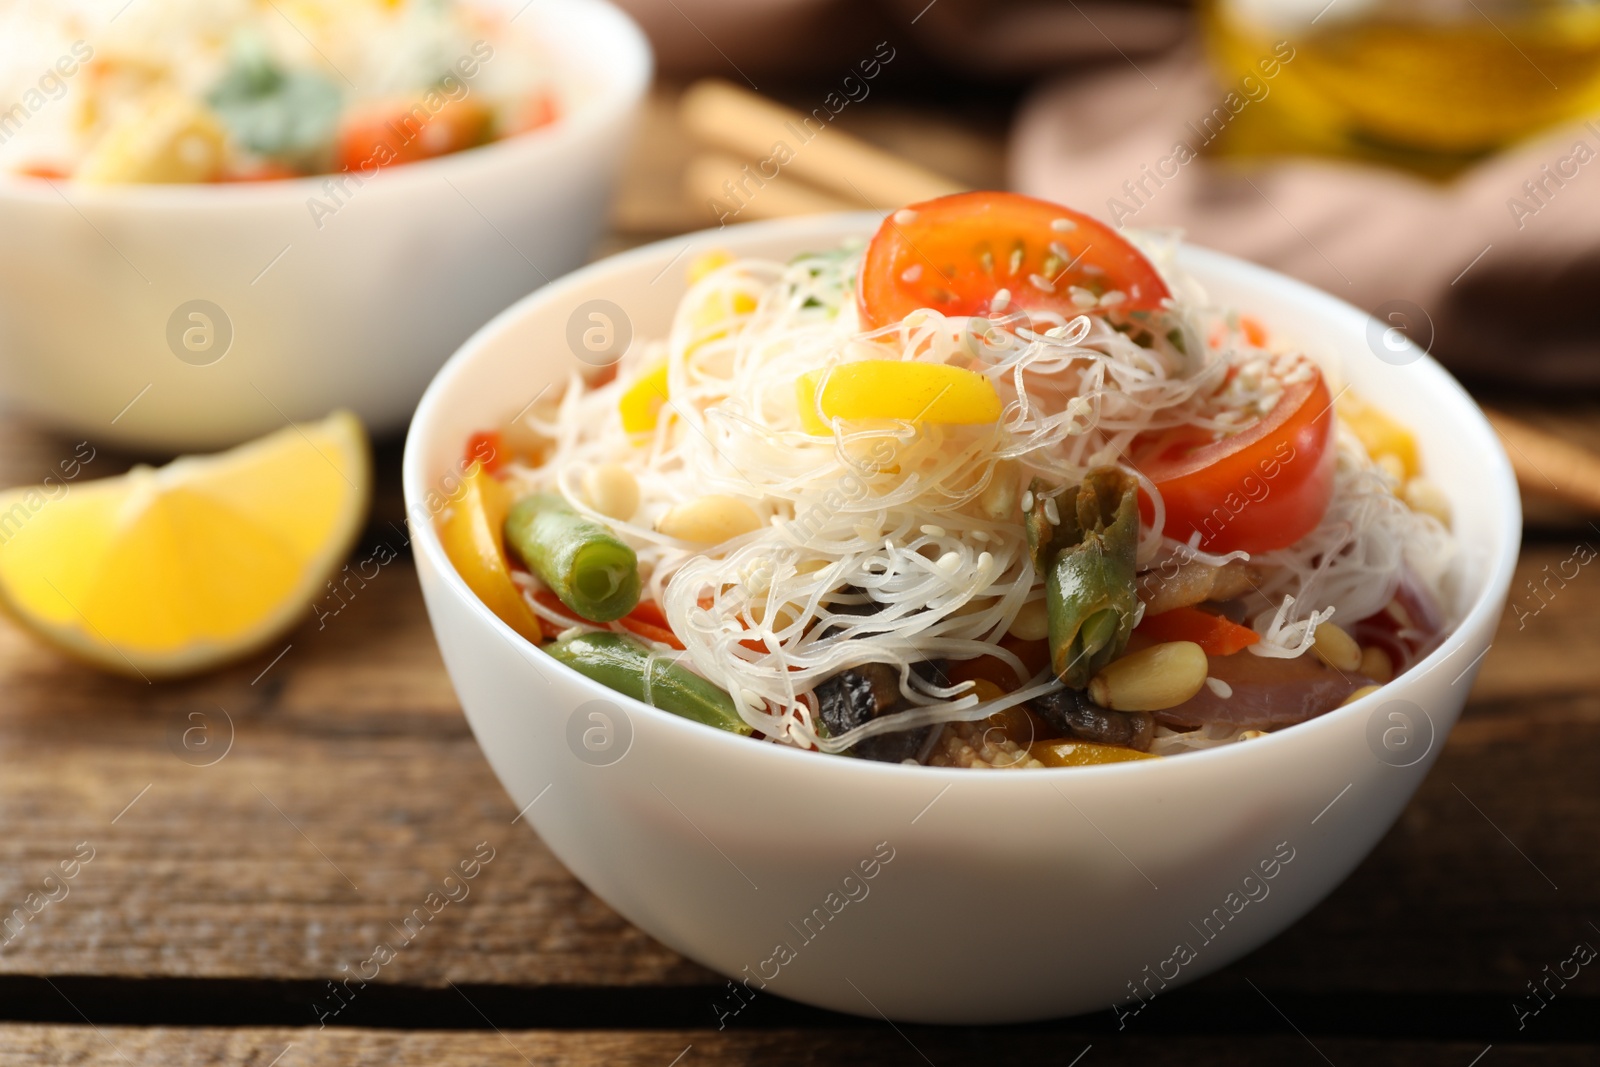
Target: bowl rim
pixel 623 57
pixel 1482 613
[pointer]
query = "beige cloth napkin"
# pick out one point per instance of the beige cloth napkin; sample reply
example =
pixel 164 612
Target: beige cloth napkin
pixel 1511 292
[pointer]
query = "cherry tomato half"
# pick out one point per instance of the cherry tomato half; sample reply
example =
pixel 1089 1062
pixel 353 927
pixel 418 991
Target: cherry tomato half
pixel 1263 488
pixel 955 253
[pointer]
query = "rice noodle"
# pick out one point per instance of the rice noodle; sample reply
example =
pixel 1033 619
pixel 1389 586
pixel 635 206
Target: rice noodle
pixel 890 514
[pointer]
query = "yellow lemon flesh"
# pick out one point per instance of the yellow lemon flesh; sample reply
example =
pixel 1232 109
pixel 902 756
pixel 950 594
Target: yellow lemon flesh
pixel 161 572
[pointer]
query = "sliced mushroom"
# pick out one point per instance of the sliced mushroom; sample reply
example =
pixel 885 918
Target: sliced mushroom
pixel 1074 714
pixel 1194 582
pixel 857 695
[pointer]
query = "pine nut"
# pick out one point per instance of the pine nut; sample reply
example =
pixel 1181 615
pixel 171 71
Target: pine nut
pixel 1376 664
pixel 709 520
pixel 1032 622
pixel 1364 691
pixel 1336 648
pixel 612 491
pixel 975 606
pixel 1152 679
pixel 999 498
pixel 1423 496
pixel 783 618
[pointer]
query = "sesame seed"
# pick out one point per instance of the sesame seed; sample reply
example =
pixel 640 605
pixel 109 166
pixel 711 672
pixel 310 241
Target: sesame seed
pixel 1001 299
pixel 1113 298
pixel 932 530
pixel 1063 225
pixel 949 561
pixel 1219 687
pixel 905 216
pixel 985 561
pixel 1052 514
pixel 1060 250
pixel 1082 297
pixel 1039 281
pixel 911 273
pixel 1027 500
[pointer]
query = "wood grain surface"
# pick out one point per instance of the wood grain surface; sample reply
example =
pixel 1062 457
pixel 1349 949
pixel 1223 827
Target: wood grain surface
pixel 230 883
pixel 25 1046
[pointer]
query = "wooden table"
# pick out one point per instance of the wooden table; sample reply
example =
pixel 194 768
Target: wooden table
pixel 222 899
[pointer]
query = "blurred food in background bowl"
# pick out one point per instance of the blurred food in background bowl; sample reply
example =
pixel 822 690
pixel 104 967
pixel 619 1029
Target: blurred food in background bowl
pixel 148 303
pixel 242 90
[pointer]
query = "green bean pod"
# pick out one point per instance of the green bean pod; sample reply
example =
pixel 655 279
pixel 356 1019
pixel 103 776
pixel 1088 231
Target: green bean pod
pixel 581 561
pixel 1088 560
pixel 619 662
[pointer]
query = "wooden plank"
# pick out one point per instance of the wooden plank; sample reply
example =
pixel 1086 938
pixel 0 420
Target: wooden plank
pixel 28 1046
pixel 350 766
pixel 353 785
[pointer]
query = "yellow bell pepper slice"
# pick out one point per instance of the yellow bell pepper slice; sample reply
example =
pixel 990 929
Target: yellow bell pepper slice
pixel 1379 434
pixel 1082 753
pixel 718 306
pixel 642 402
pixel 896 389
pixel 706 262
pixel 170 140
pixel 470 532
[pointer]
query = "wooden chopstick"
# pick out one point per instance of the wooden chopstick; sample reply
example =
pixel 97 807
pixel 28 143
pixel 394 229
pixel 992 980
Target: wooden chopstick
pixel 1547 465
pixel 752 127
pixel 863 176
pixel 715 179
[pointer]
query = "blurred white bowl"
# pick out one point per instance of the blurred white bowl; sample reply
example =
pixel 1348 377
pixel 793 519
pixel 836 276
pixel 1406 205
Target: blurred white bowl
pixel 1009 896
pixel 356 312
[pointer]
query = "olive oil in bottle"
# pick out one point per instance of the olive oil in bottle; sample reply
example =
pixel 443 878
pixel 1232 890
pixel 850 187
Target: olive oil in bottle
pixel 1427 83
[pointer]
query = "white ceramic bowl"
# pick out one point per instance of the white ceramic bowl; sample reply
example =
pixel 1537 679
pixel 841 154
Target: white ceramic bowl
pixel 1009 896
pixel 357 312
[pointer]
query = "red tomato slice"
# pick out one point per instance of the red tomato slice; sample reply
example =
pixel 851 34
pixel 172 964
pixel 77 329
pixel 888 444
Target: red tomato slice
pixel 955 253
pixel 540 109
pixel 48 171
pixel 1257 490
pixel 406 131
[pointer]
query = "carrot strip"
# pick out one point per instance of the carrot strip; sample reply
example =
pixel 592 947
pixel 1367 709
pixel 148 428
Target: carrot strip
pixel 1216 635
pixel 649 621
pixel 1253 331
pixel 486 447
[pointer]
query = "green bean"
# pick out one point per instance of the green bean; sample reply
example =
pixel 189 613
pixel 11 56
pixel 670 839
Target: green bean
pixel 619 662
pixel 581 561
pixel 1088 561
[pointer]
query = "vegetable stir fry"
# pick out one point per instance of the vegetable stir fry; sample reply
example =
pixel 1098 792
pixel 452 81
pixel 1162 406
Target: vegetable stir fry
pixel 247 90
pixel 1000 489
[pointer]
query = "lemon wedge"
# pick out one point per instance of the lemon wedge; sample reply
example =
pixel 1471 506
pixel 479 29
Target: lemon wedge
pixel 162 572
